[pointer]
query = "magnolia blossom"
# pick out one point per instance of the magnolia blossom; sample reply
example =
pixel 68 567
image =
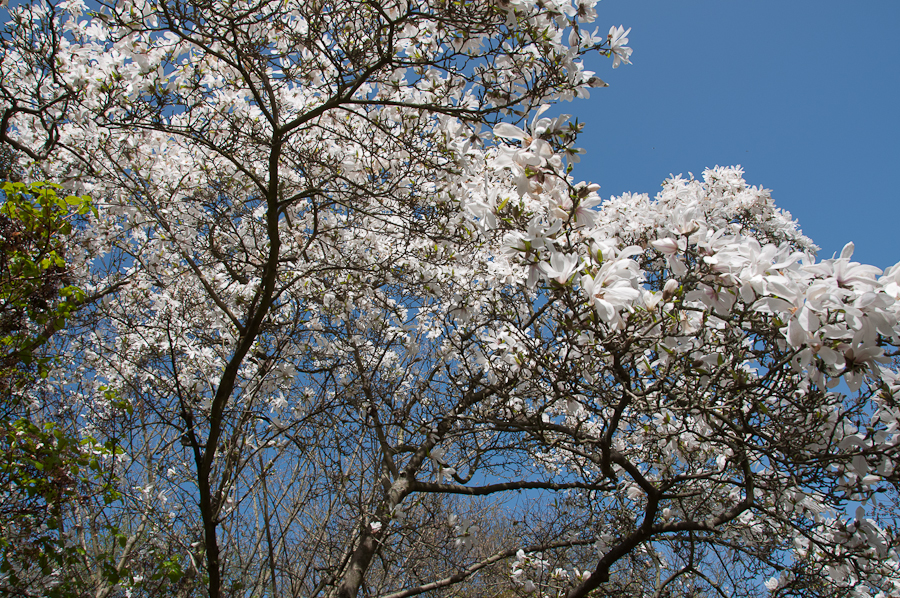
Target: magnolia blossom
pixel 561 267
pixel 617 41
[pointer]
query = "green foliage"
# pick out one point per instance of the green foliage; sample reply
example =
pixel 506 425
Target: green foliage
pixel 48 472
pixel 43 468
pixel 36 294
pixel 169 567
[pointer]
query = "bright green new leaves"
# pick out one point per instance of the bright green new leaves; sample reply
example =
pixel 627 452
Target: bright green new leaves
pixel 43 468
pixel 36 294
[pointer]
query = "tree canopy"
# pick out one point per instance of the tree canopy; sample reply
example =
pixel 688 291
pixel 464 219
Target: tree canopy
pixel 349 324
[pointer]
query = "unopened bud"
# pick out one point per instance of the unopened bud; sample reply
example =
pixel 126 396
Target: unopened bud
pixel 670 289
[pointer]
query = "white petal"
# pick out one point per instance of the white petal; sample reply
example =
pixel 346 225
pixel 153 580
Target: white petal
pixel 509 131
pixel 847 251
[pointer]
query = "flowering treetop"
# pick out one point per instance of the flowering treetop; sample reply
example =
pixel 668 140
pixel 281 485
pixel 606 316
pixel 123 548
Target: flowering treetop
pixel 350 283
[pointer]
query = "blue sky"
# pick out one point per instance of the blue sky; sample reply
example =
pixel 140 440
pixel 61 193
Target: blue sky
pixel 803 94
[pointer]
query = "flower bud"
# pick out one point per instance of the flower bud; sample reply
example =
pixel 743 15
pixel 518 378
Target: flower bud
pixel 669 289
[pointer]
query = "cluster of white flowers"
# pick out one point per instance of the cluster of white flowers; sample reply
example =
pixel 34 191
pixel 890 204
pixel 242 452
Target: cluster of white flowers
pixel 532 572
pixel 710 278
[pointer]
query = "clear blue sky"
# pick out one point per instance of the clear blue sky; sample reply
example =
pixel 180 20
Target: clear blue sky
pixel 804 94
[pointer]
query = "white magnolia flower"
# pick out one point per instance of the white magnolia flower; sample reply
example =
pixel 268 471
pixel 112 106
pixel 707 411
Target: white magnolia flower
pixel 561 267
pixel 617 40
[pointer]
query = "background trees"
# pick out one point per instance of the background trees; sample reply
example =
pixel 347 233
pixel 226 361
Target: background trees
pixel 374 338
pixel 49 467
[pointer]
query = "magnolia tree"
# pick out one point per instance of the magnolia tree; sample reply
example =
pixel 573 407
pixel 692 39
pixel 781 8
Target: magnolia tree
pixel 360 331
